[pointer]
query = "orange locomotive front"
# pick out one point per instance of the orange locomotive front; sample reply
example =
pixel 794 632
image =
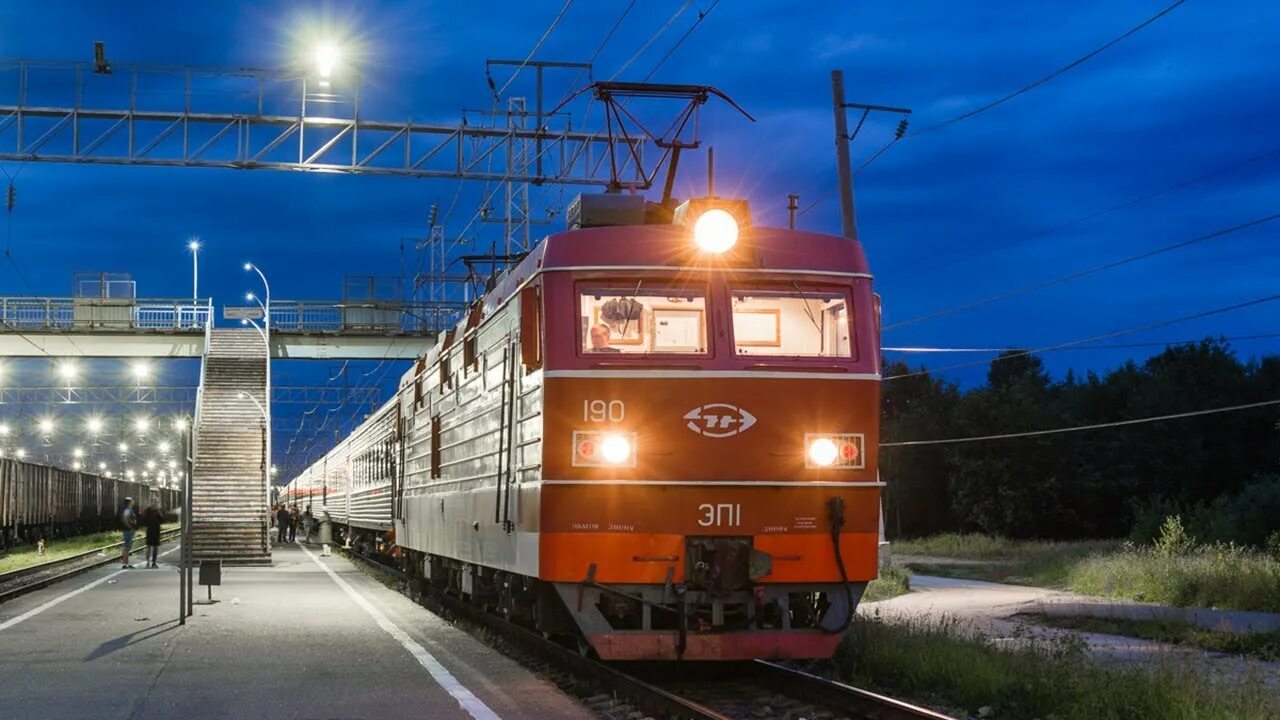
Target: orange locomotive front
pixel 710 422
pixel 654 434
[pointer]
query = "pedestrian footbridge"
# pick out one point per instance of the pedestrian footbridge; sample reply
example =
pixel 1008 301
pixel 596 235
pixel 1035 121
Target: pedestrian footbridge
pixel 229 491
pixel 175 328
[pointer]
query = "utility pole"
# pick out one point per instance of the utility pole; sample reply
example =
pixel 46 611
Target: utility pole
pixel 848 212
pixel 848 222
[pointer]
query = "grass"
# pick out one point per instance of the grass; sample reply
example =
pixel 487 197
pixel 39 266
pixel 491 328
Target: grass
pixel 24 556
pixel 944 663
pixel 995 559
pixel 1217 576
pixel 893 581
pixel 1263 646
pixel 1211 576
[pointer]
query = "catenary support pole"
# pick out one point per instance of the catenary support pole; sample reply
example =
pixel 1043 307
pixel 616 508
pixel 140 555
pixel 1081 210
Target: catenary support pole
pixel 848 222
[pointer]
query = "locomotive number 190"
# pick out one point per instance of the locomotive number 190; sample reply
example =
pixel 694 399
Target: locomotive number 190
pixel 603 411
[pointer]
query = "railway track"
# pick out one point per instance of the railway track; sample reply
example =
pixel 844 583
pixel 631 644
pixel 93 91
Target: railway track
pixel 737 691
pixel 24 580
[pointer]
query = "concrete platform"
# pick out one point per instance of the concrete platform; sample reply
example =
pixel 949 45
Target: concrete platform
pixel 309 637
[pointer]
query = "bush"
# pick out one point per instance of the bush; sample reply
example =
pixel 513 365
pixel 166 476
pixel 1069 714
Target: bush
pixel 1174 539
pixel 1213 576
pixel 892 582
pixel 1246 518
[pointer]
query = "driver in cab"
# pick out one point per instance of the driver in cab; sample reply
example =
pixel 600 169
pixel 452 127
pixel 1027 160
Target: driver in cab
pixel 600 339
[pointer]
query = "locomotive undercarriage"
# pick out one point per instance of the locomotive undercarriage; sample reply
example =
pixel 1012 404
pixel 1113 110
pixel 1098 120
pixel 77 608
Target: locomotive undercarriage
pixel 711 621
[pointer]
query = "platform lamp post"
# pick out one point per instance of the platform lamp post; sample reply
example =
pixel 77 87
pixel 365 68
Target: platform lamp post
pixel 194 246
pixel 265 332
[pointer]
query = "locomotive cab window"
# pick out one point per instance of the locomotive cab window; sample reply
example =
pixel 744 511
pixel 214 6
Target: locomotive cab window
pixel 643 319
pixel 791 322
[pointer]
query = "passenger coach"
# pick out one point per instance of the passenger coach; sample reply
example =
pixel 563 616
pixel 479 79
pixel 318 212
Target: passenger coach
pixel 656 433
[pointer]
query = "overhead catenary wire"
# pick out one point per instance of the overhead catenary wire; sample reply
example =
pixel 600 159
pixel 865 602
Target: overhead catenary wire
pixel 1081 428
pixel 1094 338
pixel 1020 91
pixel 970 254
pixel 550 29
pixel 1060 279
pixel 665 26
pixel 702 14
pixel 1109 346
pixel 1056 73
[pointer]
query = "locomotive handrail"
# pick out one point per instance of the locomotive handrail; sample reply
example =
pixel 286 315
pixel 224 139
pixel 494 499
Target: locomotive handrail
pixel 798 368
pixel 646 366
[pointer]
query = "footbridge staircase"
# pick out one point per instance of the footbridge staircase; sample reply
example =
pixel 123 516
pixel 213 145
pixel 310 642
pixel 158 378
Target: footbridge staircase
pixel 228 485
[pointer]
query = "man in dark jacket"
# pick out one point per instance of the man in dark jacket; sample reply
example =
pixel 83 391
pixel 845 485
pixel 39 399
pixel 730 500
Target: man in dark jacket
pixel 282 524
pixel 151 520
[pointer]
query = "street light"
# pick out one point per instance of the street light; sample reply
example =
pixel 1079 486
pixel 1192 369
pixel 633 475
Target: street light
pixel 327 57
pixel 265 332
pixel 194 246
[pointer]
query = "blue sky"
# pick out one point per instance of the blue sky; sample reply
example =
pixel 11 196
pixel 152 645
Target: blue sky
pixel 1196 91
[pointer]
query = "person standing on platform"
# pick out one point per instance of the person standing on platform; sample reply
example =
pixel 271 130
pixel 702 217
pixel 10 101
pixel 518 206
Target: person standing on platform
pixel 308 521
pixel 282 524
pixel 128 524
pixel 294 518
pixel 151 520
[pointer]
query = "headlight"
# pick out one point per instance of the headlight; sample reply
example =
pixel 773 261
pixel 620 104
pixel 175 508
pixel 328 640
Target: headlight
pixel 601 449
pixel 822 452
pixel 834 450
pixel 615 449
pixel 715 231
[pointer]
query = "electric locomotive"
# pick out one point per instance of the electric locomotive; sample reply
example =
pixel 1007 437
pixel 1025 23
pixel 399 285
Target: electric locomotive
pixel 657 433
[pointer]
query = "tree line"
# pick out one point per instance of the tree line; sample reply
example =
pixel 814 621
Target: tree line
pixel 1220 470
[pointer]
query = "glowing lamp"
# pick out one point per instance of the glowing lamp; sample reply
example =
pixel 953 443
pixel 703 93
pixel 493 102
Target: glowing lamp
pixel 615 449
pixel 823 452
pixel 715 231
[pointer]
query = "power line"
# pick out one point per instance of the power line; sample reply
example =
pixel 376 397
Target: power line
pixel 1079 428
pixel 1082 273
pixel 1104 336
pixel 1065 68
pixel 1024 89
pixel 874 156
pixel 1014 348
pixel 684 6
pixel 551 28
pixel 701 14
pixel 968 256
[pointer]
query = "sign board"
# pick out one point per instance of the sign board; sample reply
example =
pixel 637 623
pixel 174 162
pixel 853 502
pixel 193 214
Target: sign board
pixel 241 313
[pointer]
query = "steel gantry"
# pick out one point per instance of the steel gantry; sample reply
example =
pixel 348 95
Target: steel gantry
pixel 251 118
pixel 178 395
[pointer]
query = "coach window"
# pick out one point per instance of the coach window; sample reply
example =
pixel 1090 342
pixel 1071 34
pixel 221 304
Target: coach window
pixel 792 322
pixel 642 319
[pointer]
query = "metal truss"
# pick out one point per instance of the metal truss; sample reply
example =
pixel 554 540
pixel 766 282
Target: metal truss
pixel 177 395
pixel 253 118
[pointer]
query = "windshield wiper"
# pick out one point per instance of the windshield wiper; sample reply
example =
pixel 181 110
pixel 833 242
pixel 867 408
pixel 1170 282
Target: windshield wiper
pixel 627 323
pixel 805 300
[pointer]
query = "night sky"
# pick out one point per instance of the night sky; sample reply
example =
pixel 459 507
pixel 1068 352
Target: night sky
pixel 1194 93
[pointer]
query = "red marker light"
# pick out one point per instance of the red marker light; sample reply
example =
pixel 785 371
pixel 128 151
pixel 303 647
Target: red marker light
pixel 848 451
pixel 586 448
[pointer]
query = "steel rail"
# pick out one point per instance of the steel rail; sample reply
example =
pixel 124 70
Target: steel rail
pixel 652 698
pixel 793 682
pixel 20 573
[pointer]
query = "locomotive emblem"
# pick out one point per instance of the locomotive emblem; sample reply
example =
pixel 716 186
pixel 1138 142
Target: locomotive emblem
pixel 719 420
